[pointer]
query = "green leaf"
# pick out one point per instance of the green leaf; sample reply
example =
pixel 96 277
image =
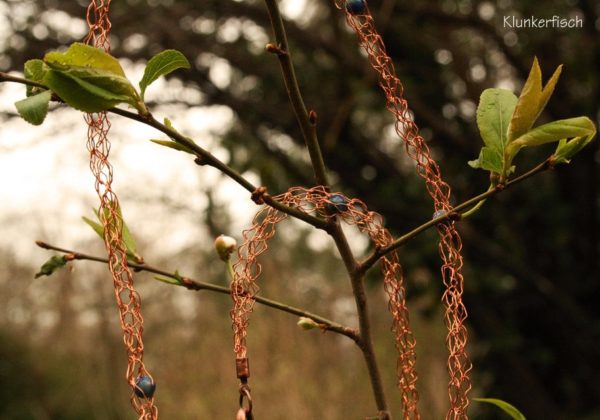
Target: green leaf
pixel 126 236
pixel 553 132
pixel 130 244
pixel 489 160
pixel 50 266
pixel 494 112
pixel 79 94
pixel 88 79
pixel 82 55
pixel 495 109
pixel 34 70
pixel 96 226
pixel 532 101
pixel 173 145
pixel 168 280
pixel 509 409
pixel 162 64
pixel 175 279
pixel 566 149
pixel 34 108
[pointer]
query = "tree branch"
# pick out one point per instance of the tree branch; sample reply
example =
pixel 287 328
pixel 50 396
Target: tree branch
pixel 191 284
pixel 204 156
pixel 453 215
pixel 5 77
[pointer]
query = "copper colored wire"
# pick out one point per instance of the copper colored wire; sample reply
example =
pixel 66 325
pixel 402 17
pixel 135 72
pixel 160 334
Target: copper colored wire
pixel 459 364
pixel 318 201
pixel 128 300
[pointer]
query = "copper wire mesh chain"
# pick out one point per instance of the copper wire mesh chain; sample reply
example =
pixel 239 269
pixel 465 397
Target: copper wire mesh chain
pixel 128 300
pixel 247 270
pixel 450 244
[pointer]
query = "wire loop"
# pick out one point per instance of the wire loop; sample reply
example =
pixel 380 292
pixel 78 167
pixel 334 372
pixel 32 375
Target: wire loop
pixel 319 201
pixel 450 245
pixel 128 300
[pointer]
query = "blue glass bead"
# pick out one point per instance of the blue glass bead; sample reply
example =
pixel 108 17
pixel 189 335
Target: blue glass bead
pixel 356 7
pixel 337 204
pixel 145 387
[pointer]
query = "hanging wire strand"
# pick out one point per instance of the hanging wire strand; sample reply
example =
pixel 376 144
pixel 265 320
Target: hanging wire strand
pixel 317 200
pixel 128 300
pixel 450 245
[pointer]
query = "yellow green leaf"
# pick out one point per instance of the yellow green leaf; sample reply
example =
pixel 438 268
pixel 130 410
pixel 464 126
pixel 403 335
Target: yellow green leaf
pixel 532 101
pixel 83 55
pixel 509 409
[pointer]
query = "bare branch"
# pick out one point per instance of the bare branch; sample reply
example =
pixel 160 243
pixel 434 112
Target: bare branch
pixel 191 284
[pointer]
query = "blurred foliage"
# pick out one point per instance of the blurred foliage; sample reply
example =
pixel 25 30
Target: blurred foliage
pixel 532 253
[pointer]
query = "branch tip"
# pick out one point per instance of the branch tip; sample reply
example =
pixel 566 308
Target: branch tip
pixel 43 245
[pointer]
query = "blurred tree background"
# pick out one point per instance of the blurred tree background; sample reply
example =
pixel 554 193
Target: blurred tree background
pixel 532 253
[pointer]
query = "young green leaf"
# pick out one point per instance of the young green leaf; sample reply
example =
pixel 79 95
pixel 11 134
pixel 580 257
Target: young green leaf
pixel 167 280
pixel 489 160
pixel 494 112
pixel 50 266
pixel 127 237
pixel 34 108
pixel 96 226
pixel 162 64
pixel 130 244
pixel 552 132
pixel 175 279
pixel 88 79
pixel 509 409
pixel 567 149
pixel 82 55
pixel 173 145
pixel 81 95
pixel 532 101
pixel 34 70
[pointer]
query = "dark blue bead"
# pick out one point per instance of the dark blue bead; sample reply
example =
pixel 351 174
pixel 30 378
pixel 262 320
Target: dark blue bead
pixel 145 387
pixel 337 204
pixel 356 7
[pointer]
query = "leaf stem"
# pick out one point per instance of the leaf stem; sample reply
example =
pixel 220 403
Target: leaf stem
pixel 476 207
pixel 191 284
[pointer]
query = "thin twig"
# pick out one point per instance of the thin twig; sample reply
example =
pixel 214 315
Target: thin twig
pixel 5 77
pixel 191 284
pixel 454 215
pixel 307 122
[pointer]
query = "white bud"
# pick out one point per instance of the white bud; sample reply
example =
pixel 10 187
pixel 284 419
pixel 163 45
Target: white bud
pixel 225 245
pixel 307 323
